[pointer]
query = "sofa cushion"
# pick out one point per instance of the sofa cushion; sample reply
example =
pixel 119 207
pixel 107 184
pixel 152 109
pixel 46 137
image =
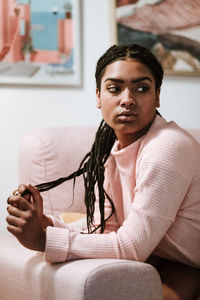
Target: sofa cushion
pixel 76 221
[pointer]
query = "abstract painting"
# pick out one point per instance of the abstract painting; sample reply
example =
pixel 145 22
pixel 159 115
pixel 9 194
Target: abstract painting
pixel 40 42
pixel 170 29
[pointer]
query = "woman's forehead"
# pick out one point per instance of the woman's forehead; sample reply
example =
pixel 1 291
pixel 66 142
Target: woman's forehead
pixel 129 68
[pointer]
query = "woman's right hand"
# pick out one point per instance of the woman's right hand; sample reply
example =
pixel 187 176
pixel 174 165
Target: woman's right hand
pixel 26 220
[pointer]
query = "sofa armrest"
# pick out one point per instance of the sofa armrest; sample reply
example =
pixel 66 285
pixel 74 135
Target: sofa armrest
pixel 122 280
pixel 25 275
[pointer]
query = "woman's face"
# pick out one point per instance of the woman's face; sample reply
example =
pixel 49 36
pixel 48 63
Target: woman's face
pixel 128 99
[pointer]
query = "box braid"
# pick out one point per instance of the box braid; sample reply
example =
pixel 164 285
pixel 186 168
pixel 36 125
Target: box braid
pixel 93 174
pixel 92 166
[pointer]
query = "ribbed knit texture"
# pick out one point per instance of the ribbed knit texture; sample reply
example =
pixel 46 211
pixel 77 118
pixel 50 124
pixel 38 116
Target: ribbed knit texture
pixel 57 244
pixel 155 186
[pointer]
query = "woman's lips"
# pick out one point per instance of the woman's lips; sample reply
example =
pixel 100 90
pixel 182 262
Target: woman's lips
pixel 127 116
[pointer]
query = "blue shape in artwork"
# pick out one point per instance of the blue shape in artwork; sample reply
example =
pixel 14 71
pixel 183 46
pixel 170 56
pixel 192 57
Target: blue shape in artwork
pixel 22 2
pixel 45 30
pixel 47 5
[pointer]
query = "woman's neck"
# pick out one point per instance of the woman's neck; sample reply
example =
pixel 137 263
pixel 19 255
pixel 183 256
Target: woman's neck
pixel 127 139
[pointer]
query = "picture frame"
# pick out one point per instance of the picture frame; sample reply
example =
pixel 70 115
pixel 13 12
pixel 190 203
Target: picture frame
pixel 40 43
pixel 170 29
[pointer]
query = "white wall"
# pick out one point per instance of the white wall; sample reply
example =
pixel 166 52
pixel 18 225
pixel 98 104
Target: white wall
pixel 180 100
pixel 25 109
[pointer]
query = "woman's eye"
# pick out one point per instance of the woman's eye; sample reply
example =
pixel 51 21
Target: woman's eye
pixel 113 89
pixel 142 89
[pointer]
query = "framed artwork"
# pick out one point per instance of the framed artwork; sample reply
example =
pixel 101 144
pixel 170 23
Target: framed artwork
pixel 40 42
pixel 170 29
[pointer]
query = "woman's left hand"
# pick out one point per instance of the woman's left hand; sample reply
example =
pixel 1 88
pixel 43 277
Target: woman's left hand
pixel 25 219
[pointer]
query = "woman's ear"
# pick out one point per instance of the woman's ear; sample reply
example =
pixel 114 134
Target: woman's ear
pixel 158 98
pixel 98 103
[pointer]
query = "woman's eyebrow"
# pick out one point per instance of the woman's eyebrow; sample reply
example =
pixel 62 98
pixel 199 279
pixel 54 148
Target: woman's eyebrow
pixel 141 79
pixel 133 81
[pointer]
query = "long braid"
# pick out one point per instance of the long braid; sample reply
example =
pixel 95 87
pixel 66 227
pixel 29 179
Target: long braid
pixel 94 173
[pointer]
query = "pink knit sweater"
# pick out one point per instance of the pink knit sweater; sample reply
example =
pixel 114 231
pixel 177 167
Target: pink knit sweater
pixel 155 186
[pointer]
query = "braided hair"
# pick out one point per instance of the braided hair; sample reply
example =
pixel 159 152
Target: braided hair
pixel 92 166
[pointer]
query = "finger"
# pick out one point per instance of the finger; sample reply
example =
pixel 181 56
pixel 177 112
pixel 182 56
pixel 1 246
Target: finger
pixel 23 191
pixel 12 201
pixel 16 231
pixel 12 210
pixel 22 188
pixel 15 221
pixel 19 202
pixel 37 198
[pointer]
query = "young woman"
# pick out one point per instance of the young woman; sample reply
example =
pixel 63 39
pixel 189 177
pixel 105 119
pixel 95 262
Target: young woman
pixel 142 180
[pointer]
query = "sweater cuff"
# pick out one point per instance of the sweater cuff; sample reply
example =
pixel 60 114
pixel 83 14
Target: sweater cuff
pixel 57 244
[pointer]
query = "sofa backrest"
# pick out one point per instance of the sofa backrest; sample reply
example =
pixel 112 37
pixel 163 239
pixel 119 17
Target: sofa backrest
pixel 48 154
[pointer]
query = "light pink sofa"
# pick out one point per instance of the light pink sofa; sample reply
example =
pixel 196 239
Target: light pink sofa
pixel 45 155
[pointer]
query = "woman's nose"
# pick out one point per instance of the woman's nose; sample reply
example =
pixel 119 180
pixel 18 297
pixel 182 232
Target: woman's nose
pixel 127 99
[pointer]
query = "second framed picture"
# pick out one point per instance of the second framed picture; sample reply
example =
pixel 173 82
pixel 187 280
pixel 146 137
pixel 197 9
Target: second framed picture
pixel 170 29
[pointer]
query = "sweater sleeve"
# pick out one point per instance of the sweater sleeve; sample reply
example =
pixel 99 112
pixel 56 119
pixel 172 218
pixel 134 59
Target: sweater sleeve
pixel 163 175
